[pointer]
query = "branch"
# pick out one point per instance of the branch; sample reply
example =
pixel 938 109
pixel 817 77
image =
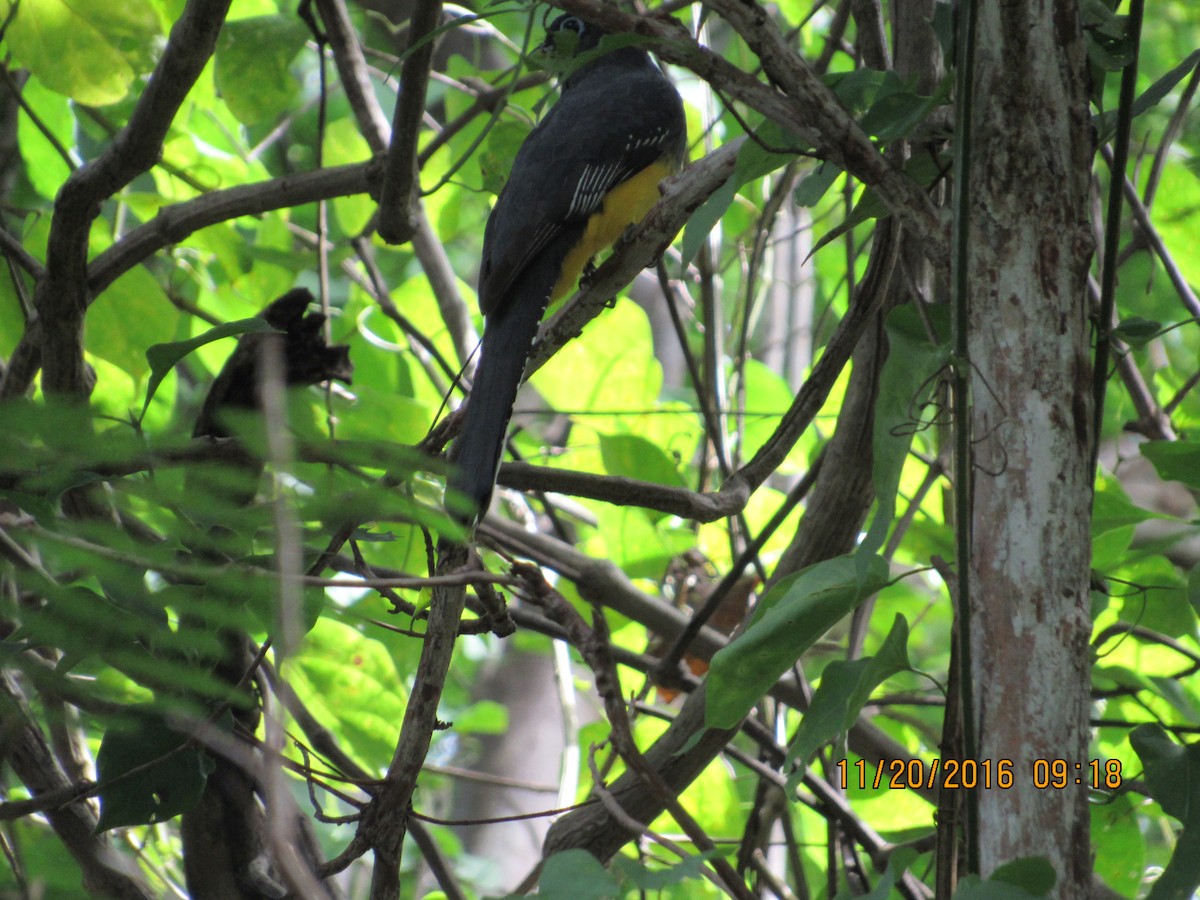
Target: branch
pixel 593 644
pixel 682 195
pixel 352 69
pixel 806 106
pixel 105 872
pixel 178 221
pixel 400 183
pixel 173 224
pixel 1141 215
pixel 16 253
pixel 384 820
pixel 599 580
pixel 679 195
pixel 699 506
pixel 61 296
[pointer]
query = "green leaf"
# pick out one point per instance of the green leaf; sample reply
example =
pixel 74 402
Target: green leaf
pixel 576 875
pixel 163 357
pixel 45 861
pixel 351 685
pixel 898 863
pixel 496 157
pixel 905 387
pixel 1175 461
pixel 482 717
pixel 858 88
pixel 1173 776
pixel 972 887
pixel 924 169
pixel 1109 54
pixel 845 687
pixel 44 165
pixel 1031 873
pixel 705 219
pixel 1112 508
pixel 790 618
pixel 943 26
pixel 899 109
pixel 1106 122
pixel 1181 877
pixel 1156 596
pixel 12 314
pixel 596 374
pixel 252 60
pixel 659 879
pixel 767 149
pixel 171 783
pixel 1098 16
pixel 1110 550
pixel 768 396
pixel 1136 331
pixel 90 50
pixel 1119 844
pixel 1172 772
pixel 631 456
pixel 344 145
pixel 127 318
pixel 815 184
pixel 1158 91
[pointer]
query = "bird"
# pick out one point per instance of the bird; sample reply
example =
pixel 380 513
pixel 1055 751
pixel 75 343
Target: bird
pixel 587 171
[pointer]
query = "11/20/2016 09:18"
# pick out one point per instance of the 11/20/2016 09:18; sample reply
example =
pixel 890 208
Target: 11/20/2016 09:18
pixel 967 774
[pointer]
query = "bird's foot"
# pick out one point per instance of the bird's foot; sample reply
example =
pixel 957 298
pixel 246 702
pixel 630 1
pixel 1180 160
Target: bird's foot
pixel 588 273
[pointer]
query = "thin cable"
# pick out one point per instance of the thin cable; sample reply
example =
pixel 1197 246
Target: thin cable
pixel 1112 231
pixel 965 72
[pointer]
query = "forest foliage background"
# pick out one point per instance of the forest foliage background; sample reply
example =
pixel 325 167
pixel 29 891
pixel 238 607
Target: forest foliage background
pixel 131 550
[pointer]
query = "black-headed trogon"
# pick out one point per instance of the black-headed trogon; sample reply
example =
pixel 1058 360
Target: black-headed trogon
pixel 589 170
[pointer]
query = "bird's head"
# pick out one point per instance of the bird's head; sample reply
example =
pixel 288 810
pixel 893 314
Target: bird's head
pixel 570 45
pixel 568 36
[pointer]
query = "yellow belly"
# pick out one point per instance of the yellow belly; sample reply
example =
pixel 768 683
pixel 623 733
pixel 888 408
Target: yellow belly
pixel 625 205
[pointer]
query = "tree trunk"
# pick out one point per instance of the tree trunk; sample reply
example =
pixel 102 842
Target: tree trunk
pixel 1031 494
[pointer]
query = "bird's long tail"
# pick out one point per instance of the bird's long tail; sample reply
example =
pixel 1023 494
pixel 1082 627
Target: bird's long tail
pixel 507 339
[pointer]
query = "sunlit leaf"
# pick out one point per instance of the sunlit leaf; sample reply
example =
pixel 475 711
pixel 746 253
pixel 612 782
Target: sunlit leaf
pixel 45 165
pixel 90 50
pixel 350 683
pixel 127 318
pixel 252 60
pixel 634 457
pixel 1120 856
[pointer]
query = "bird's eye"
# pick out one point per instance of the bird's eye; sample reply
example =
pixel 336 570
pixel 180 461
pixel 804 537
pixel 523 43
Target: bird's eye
pixel 572 24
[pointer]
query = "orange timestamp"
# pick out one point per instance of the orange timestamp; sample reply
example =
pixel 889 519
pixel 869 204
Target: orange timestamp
pixel 968 774
pixel 916 774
